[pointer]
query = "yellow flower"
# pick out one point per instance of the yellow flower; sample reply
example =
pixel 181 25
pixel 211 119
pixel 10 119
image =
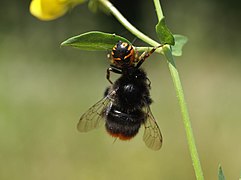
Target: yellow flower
pixel 47 10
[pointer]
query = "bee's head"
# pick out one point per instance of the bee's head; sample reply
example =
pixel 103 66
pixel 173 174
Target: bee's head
pixel 123 54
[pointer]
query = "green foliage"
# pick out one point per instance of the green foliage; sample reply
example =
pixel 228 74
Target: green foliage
pixel 164 34
pixel 100 41
pixel 180 41
pixel 220 173
pixel 94 41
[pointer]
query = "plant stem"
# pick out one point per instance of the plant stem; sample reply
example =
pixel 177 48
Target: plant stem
pixel 180 95
pixel 158 9
pixel 142 49
pixel 127 24
pixel 184 112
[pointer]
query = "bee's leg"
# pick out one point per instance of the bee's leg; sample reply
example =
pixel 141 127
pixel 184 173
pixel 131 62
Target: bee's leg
pixel 148 82
pixel 106 91
pixel 145 55
pixel 110 69
pixel 108 75
pixel 109 56
pixel 115 140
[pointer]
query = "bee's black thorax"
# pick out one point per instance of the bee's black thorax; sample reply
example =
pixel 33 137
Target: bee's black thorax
pixel 133 90
pixel 126 113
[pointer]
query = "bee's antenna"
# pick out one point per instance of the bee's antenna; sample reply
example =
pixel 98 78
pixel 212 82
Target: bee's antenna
pixel 134 40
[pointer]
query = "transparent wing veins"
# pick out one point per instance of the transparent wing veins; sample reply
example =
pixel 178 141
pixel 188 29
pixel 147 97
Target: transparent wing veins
pixel 152 134
pixel 93 117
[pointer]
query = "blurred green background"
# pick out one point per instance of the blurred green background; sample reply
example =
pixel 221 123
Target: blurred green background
pixel 44 89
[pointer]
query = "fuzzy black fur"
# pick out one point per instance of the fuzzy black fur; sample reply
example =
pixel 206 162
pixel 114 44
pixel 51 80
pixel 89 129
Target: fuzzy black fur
pixel 125 115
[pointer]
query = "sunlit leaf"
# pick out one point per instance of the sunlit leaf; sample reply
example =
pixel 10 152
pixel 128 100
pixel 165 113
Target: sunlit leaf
pixel 164 34
pixel 220 173
pixel 180 41
pixel 93 41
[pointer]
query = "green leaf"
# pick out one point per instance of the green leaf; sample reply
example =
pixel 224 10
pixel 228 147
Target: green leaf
pixel 94 41
pixel 180 41
pixel 164 34
pixel 220 173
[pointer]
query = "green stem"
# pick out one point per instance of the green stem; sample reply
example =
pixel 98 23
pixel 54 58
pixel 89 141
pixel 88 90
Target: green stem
pixel 158 9
pixel 184 112
pixel 181 100
pixel 142 49
pixel 127 24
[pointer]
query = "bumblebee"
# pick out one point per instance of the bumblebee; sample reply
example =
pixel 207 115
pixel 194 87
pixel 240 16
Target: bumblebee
pixel 126 103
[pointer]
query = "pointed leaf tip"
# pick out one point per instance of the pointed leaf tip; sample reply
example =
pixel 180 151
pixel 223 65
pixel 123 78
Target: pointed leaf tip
pixel 220 173
pixel 94 41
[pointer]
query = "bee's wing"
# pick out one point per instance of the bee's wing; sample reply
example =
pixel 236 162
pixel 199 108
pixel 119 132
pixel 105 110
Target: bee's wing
pixel 152 134
pixel 93 117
